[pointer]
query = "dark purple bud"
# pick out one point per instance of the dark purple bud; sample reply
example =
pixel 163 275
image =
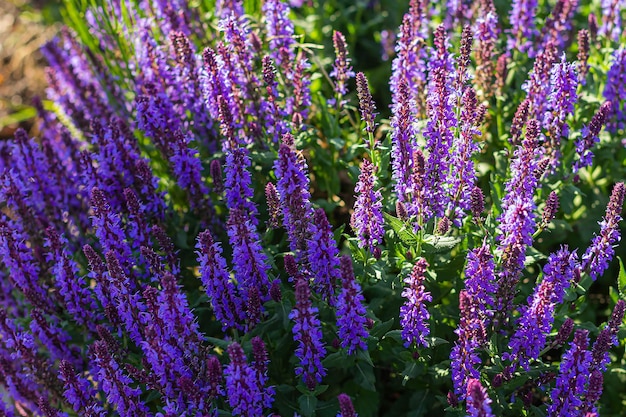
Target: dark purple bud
pixel 443 226
pixel 501 72
pixel 564 332
pixel 477 203
pixel 497 381
pixel 291 267
pixel 592 22
pixel 275 291
pixel 216 173
pixel 549 211
pixel 273 205
pixel 269 71
pixel 214 376
pixel 452 399
pixel 47 409
pixel 401 211
pixel 366 103
pixel 542 168
pixel 345 406
pixel 519 120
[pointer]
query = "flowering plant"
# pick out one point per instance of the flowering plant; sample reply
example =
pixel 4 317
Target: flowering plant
pixel 214 220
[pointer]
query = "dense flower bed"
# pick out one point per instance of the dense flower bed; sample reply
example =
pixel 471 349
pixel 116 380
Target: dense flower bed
pixel 214 220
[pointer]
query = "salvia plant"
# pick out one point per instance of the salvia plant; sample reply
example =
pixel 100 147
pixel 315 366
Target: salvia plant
pixel 220 214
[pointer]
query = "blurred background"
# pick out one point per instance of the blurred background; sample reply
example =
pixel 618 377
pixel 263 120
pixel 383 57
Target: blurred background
pixel 24 27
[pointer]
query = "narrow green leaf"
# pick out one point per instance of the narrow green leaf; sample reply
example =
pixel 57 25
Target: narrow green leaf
pixel 440 244
pixel 621 280
pixel 402 230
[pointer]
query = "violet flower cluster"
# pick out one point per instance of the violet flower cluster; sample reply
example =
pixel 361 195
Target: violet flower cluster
pixel 165 125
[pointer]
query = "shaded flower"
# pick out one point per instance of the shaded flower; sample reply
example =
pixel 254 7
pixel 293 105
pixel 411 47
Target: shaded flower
pixel 573 378
pixel 367 218
pixel 598 255
pixel 307 332
pixel 414 315
pixel 351 312
pixel 478 402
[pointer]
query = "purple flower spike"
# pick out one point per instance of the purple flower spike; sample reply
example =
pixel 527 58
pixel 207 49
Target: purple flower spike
pixel 293 188
pixel 227 304
pixel 409 66
pixel 608 337
pixel 615 92
pixel 249 261
pixel 413 313
pixel 517 222
pixel 260 363
pixel 573 378
pixel 116 384
pixel 612 15
pixel 79 392
pixel 464 359
pixel 486 32
pixel 346 409
pixel 561 101
pixel 590 137
pixel 280 32
pixel 342 71
pixel 366 103
pixel 597 257
pixel 307 331
pixel 402 145
pixel 322 254
pixel 242 388
pixel 523 28
pixel 224 8
pixel 238 184
pixel 351 312
pixel 367 219
pixel 478 402
pixel 537 317
pixel 441 121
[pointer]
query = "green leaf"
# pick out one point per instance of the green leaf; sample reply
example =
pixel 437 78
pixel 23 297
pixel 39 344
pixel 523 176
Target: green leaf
pixel 223 344
pixel 402 230
pixel 308 404
pixel 381 328
pixel 440 244
pixel 621 279
pixel 436 341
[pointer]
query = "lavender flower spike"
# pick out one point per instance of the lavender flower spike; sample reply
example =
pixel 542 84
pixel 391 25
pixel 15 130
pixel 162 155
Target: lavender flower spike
pixel 464 359
pixel 596 258
pixel 115 383
pixel 367 219
pixel 600 356
pixel 441 121
pixel 413 314
pixel 536 318
pixel 241 385
pixel 614 90
pixel 523 29
pixel 293 188
pixel 573 378
pixel 342 71
pixel 322 253
pixel 227 305
pixel 366 103
pixel 478 402
pixel 351 313
pixel 307 332
pixel 589 137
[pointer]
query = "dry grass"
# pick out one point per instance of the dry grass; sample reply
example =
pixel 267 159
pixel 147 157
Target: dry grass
pixel 22 32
